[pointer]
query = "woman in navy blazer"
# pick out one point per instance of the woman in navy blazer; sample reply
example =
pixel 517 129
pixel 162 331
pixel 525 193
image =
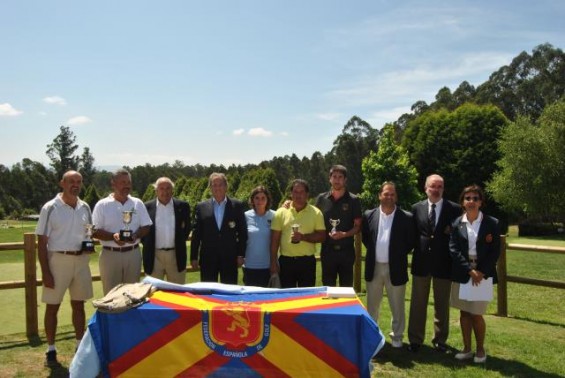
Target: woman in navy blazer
pixel 474 247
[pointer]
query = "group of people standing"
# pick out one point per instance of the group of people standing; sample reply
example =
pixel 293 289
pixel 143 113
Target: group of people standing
pixel 265 243
pixel 452 244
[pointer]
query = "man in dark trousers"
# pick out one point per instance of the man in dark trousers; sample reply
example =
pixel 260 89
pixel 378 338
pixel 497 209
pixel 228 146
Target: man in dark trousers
pixel 219 237
pixel 164 247
pixel 388 235
pixel 342 217
pixel 431 264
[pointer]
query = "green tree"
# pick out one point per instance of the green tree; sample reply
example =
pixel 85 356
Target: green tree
pixel 464 93
pixel 141 177
pixel 444 99
pixel 389 163
pixel 32 184
pixel 91 196
pixel 317 174
pixel 532 166
pixel 460 145
pixel 281 167
pixel 149 193
pixel 86 166
pixel 179 185
pixel 194 190
pixel 528 84
pixel 61 152
pixel 260 176
pixel 354 143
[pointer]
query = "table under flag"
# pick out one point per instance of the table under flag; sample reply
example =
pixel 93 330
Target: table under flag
pixel 271 334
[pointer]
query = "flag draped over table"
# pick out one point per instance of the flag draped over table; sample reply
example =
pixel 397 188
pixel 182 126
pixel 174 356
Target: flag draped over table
pixel 287 334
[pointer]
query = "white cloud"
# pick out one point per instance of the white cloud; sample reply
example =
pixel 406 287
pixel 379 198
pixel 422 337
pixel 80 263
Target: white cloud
pixel 329 116
pixel 55 100
pixel 259 132
pixel 283 133
pixel 419 83
pixel 43 114
pixel 79 120
pixel 7 110
pixel 254 132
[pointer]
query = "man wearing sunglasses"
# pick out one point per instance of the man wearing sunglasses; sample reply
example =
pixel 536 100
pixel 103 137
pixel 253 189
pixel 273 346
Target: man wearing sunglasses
pixel 431 264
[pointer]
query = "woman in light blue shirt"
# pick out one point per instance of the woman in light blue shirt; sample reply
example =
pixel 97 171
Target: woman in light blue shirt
pixel 256 271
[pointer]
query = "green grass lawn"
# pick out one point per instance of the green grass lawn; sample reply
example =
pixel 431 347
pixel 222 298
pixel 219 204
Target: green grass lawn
pixel 528 343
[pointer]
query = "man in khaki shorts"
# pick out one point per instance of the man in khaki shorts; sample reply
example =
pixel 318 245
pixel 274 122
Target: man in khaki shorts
pixel 120 260
pixel 61 231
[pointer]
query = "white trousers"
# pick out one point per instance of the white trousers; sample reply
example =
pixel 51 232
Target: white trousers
pixel 395 294
pixel 166 264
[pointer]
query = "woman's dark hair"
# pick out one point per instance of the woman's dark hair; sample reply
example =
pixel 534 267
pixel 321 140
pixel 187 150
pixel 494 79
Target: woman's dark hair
pixel 257 190
pixel 472 189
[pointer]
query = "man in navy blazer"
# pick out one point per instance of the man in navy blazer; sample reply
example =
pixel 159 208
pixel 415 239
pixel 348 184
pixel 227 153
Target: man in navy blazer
pixel 219 237
pixel 388 235
pixel 431 264
pixel 164 247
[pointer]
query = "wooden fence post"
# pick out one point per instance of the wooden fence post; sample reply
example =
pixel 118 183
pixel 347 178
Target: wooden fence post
pixel 30 285
pixel 357 267
pixel 502 293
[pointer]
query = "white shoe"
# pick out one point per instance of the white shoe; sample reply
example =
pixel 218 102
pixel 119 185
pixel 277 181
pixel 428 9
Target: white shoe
pixel 480 360
pixel 464 356
pixel 396 343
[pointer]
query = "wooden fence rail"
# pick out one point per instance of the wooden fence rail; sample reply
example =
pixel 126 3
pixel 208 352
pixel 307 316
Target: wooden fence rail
pixel 504 278
pixel 30 282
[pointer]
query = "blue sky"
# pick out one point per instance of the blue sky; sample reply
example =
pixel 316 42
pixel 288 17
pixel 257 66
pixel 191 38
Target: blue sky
pixel 240 81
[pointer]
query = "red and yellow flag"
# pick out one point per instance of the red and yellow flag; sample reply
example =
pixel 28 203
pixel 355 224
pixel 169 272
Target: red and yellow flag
pixel 273 335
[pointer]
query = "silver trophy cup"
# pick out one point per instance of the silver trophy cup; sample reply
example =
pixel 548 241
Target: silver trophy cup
pixel 334 223
pixel 88 244
pixel 126 233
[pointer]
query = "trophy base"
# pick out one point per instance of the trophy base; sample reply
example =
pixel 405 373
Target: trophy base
pixel 125 235
pixel 87 246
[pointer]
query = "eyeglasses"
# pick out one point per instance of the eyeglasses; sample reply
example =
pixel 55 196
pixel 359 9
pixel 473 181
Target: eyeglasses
pixel 472 198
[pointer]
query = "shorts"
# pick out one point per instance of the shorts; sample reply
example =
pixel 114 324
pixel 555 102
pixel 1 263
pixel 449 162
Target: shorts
pixel 69 272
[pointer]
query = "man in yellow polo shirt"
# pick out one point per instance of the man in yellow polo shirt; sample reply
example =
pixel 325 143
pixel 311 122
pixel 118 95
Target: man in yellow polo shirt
pixel 295 232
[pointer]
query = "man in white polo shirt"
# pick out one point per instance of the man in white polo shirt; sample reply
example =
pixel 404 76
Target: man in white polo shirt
pixel 120 259
pixel 61 231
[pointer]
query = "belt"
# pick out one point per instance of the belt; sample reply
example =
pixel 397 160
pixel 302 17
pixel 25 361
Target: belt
pixel 166 249
pixel 121 249
pixel 472 259
pixel 72 253
pixel 298 257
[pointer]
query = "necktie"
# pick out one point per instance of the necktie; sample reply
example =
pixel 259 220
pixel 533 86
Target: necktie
pixel 432 218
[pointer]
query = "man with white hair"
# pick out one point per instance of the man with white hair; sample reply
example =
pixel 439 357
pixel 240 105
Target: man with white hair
pixel 431 264
pixel 164 247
